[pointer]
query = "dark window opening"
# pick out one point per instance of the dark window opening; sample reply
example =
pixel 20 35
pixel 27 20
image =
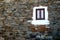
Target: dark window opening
pixel 40 14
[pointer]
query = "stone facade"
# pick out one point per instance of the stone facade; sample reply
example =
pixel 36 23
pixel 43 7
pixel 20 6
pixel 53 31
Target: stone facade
pixel 16 14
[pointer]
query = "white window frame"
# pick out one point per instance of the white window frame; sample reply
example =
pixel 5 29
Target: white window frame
pixel 40 22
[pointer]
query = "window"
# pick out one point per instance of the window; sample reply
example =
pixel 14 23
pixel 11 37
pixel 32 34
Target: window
pixel 40 14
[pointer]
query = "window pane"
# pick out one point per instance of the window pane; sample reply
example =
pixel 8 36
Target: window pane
pixel 40 14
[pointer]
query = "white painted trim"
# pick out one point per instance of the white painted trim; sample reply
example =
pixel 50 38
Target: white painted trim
pixel 34 12
pixel 40 22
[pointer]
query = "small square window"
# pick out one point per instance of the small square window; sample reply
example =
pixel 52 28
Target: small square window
pixel 40 14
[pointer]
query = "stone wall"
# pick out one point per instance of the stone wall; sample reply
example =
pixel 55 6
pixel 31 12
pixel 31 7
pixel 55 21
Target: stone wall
pixel 16 13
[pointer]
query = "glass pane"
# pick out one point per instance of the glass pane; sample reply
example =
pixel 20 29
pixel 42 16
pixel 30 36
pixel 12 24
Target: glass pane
pixel 40 14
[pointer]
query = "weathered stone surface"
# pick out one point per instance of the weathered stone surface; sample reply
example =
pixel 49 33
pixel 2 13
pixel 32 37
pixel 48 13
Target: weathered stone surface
pixel 15 15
